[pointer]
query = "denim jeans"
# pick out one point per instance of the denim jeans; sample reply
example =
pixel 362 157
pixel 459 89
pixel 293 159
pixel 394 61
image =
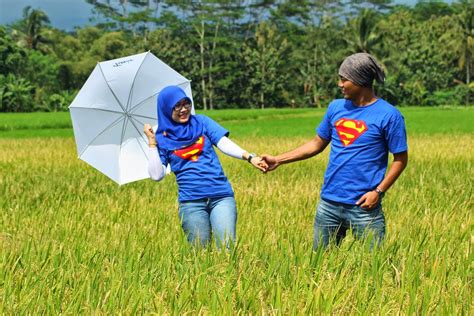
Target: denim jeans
pixel 200 217
pixel 333 219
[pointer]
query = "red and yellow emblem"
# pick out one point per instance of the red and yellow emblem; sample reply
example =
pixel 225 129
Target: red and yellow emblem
pixel 191 152
pixel 349 130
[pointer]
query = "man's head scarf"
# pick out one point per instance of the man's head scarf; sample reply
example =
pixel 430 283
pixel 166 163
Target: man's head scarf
pixel 172 135
pixel 362 69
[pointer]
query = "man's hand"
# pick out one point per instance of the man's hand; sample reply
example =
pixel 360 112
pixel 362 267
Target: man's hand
pixel 368 200
pixel 270 161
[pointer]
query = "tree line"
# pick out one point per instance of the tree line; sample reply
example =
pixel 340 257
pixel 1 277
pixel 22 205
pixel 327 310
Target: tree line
pixel 248 54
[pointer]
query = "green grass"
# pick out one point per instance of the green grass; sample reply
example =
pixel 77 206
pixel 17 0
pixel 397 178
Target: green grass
pixel 258 123
pixel 73 242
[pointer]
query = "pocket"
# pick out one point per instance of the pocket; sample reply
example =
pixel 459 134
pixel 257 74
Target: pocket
pixel 374 211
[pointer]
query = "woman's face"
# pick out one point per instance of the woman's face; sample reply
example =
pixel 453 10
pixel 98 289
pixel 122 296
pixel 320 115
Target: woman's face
pixel 181 111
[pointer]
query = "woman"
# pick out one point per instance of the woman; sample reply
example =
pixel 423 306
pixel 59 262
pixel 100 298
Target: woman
pixel 185 142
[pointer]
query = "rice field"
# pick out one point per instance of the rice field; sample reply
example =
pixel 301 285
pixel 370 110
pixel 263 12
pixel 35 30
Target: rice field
pixel 73 242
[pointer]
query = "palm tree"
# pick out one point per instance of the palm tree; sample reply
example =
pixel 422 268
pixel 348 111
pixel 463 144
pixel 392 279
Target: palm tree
pixel 363 37
pixel 34 20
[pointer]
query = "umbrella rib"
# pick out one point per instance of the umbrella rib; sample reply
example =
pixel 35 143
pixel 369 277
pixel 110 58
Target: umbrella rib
pixel 96 109
pixel 143 116
pixel 143 101
pixel 134 78
pixel 111 90
pixel 153 95
pixel 124 126
pixel 102 132
pixel 139 133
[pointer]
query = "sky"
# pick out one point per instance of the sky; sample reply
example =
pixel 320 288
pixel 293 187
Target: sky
pixel 65 14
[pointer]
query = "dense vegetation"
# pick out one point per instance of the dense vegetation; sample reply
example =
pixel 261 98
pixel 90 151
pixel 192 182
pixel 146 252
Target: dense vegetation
pixel 251 53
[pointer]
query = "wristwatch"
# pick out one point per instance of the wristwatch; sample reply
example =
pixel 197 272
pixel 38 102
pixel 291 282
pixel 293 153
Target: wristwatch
pixel 251 156
pixel 379 192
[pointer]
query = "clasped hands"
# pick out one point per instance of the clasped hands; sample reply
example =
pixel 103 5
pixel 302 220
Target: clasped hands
pixel 265 163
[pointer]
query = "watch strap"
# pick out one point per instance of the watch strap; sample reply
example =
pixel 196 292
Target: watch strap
pixel 251 156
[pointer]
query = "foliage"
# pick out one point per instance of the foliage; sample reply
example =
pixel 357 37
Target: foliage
pixel 264 57
pixel 16 94
pixel 31 29
pixel 242 54
pixel 12 56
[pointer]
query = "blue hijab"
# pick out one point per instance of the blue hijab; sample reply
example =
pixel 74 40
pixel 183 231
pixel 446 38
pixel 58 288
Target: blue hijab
pixel 172 135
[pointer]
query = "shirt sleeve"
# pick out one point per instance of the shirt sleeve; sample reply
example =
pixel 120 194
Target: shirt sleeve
pixel 230 148
pixel 156 170
pixel 213 130
pixel 396 135
pixel 324 129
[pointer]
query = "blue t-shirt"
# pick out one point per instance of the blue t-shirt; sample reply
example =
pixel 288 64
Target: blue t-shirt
pixel 361 138
pixel 197 168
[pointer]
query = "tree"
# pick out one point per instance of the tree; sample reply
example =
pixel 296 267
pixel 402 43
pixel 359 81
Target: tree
pixel 317 70
pixel 32 26
pixel 12 57
pixel 16 94
pixel 362 36
pixel 464 47
pixel 265 56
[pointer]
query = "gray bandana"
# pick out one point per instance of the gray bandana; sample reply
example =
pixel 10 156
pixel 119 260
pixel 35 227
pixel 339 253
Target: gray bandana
pixel 361 69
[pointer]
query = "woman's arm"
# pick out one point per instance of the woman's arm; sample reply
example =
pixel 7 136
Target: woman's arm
pixel 156 170
pixel 231 149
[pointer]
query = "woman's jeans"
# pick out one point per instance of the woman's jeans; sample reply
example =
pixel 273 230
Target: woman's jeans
pixel 200 217
pixel 333 219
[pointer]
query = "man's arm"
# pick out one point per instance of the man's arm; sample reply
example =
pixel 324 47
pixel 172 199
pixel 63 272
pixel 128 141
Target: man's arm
pixel 370 199
pixel 305 151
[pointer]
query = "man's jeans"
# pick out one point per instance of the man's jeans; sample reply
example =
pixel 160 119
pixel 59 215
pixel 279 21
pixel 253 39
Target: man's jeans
pixel 198 217
pixel 333 219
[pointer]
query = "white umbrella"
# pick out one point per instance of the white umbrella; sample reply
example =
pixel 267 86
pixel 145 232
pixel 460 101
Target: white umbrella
pixel 109 112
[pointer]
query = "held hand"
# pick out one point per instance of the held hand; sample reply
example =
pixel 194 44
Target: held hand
pixel 368 200
pixel 271 162
pixel 260 164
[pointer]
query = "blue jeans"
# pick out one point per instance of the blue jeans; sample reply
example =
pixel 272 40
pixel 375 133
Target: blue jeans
pixel 199 217
pixel 333 219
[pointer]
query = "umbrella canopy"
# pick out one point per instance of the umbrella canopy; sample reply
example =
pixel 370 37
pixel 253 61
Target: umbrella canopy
pixel 109 112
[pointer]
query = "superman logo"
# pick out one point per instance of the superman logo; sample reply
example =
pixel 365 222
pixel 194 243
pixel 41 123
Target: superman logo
pixel 349 130
pixel 191 152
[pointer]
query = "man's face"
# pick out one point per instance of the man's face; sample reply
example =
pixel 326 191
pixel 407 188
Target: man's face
pixel 181 111
pixel 349 89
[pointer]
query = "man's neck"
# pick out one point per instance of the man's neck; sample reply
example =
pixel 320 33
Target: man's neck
pixel 367 97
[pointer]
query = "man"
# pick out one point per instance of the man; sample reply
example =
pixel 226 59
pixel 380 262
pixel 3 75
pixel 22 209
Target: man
pixel 362 129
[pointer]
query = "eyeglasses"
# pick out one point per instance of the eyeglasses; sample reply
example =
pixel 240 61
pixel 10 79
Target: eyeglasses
pixel 179 106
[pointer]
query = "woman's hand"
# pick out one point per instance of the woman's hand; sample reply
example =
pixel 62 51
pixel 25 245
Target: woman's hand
pixel 259 163
pixel 148 130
